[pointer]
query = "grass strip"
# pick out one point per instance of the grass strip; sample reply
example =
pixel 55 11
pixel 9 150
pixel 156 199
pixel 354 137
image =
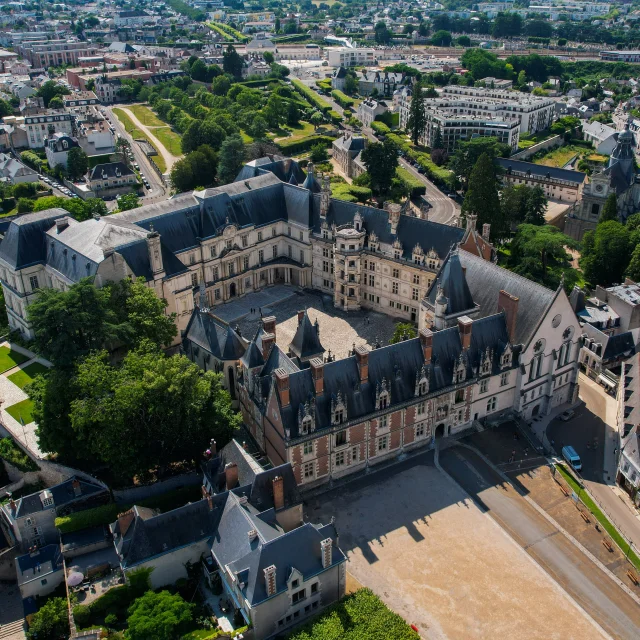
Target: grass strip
pixel 10 359
pixel 24 376
pixel 21 411
pixel 588 502
pixel 146 116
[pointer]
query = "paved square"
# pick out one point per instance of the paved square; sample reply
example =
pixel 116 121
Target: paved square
pixel 442 564
pixel 339 331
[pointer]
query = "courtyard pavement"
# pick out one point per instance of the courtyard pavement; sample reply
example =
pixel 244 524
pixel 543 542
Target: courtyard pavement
pixel 339 331
pixel 435 558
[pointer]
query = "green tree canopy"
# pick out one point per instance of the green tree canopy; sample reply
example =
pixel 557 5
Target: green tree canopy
pixel 467 154
pixel 417 121
pixel 482 197
pixel 381 161
pixel 128 201
pixel 165 408
pixel 232 62
pixel 231 158
pixel 50 90
pixel 161 616
pixel 610 209
pixel 403 331
pixel 51 622
pixel 606 253
pixel 77 163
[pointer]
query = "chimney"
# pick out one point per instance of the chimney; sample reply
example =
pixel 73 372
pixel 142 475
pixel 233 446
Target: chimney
pixel 77 488
pixel 12 505
pixel 362 357
pixel 231 475
pixel 269 325
pixel 471 221
pixel 62 224
pixel 268 340
pixel 278 492
pixel 270 580
pixel 282 380
pixel 300 316
pixel 124 521
pixel 486 231
pixel 509 304
pixel 426 341
pixel 317 373
pixel 326 547
pixel 465 324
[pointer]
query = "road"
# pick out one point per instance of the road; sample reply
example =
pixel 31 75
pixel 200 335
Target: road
pixel 158 191
pixel 611 607
pixel 594 422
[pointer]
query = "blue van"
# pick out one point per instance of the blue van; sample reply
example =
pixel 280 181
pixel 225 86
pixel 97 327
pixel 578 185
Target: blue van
pixel 570 455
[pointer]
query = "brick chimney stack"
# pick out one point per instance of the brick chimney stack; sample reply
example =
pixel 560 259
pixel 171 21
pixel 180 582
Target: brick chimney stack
pixel 465 325
pixel 362 357
pixel 317 373
pixel 124 521
pixel 426 340
pixel 300 316
pixel 282 380
pixel 268 340
pixel 269 324
pixel 509 304
pixel 231 475
pixel 278 492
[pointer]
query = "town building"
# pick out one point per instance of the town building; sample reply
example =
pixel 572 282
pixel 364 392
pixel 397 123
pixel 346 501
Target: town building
pixel 14 172
pixel 111 178
pixel 57 149
pixel 135 18
pixel 29 521
pixel 350 56
pixel 40 571
pixel 620 56
pixel 55 53
pixel 603 137
pixel 249 536
pixel 628 419
pixel 618 177
pixel 34 131
pixel 482 352
pixel 562 185
pixel 346 152
pixel 369 109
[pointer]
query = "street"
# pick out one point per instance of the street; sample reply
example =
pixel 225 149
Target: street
pixel 594 423
pixel 158 191
pixel 610 606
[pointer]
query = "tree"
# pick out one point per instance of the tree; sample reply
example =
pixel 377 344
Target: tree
pixel 351 84
pixel 196 169
pixel 633 270
pixel 128 201
pixel 536 206
pixel 381 161
pixel 25 189
pixel 382 35
pixel 467 154
pixel 403 331
pixel 539 254
pixel 231 159
pixel 5 109
pixel 258 128
pixel 606 252
pixel 482 197
pixel 69 324
pixel 319 153
pixel 50 90
pixel 232 62
pixel 56 103
pixel 77 163
pixel 610 209
pixel 316 119
pixel 202 132
pixel 165 408
pixel 51 622
pixel 441 38
pixel 220 86
pixel 161 616
pixel 417 121
pixel 25 205
pixel 268 57
pixel 275 111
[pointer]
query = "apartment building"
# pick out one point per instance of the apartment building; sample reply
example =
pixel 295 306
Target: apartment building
pixel 33 131
pixel 54 53
pixel 350 57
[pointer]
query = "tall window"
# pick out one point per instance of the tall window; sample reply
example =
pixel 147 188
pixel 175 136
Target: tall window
pixel 33 281
pixel 394 288
pixel 245 241
pixel 308 470
pixel 275 251
pixel 261 256
pixel 339 458
pixel 535 369
pixel 341 438
pixel 246 262
pixel 259 236
pixel 491 404
pixel 383 443
pixel 504 379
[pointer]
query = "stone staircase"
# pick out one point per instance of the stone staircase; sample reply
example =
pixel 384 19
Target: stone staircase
pixel 12 631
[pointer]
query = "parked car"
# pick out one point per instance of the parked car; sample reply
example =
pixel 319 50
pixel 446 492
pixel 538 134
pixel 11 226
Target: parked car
pixel 565 416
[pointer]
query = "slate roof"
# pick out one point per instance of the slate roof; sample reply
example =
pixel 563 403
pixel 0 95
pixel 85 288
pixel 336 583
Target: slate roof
pixel 252 356
pixel 306 341
pixel 485 280
pixel 47 561
pixel 353 144
pixel 541 171
pixel 110 170
pixel 285 169
pixel 454 286
pixel 399 365
pixel 214 336
pixel 62 494
pixel 613 347
pixel 630 438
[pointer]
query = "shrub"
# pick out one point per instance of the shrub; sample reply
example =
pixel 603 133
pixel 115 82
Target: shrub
pixel 111 620
pixel 335 116
pixel 25 205
pixel 298 146
pixel 310 96
pixel 342 99
pixel 380 128
pixel 14 455
pixel 82 616
pixel 415 187
pixel 8 204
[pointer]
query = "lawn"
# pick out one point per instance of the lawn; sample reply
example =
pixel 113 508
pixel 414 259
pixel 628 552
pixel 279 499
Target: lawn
pixel 22 411
pixel 127 123
pixel 24 376
pixel 297 132
pixel 136 134
pixel 10 359
pixel 146 116
pixel 559 157
pixel 600 517
pixel 170 139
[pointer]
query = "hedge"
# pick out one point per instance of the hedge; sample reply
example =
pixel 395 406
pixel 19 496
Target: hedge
pixel 257 84
pixel 325 84
pixel 416 187
pixel 335 116
pixel 304 144
pixel 311 96
pixel 360 615
pixel 350 192
pixel 342 99
pixel 226 30
pixel 380 128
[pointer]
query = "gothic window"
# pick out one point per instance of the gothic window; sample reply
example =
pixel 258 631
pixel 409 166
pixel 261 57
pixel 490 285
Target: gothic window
pixel 459 373
pixel 535 368
pixel 505 358
pixel 422 382
pixel 383 399
pixel 338 409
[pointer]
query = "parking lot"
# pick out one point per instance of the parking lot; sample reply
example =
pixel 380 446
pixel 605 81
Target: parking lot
pixel 433 556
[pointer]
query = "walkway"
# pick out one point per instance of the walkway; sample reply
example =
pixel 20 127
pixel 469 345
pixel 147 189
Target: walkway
pixel 169 159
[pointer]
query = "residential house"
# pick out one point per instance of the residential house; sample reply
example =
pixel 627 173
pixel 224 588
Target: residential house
pixel 346 152
pixel 111 178
pixel 40 571
pixel 369 109
pixel 603 137
pixel 628 421
pixel 13 171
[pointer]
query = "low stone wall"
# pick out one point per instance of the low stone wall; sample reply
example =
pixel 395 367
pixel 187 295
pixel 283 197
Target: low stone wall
pixel 135 494
pixel 551 143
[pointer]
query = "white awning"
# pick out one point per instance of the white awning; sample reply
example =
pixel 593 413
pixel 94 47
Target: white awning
pixel 610 383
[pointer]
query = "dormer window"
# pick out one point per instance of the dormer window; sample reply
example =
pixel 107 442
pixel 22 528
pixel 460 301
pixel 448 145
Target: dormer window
pixel 383 397
pixel 460 371
pixel 417 254
pixel 338 409
pixel 506 357
pixel 306 417
pixel 422 382
pixel 485 364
